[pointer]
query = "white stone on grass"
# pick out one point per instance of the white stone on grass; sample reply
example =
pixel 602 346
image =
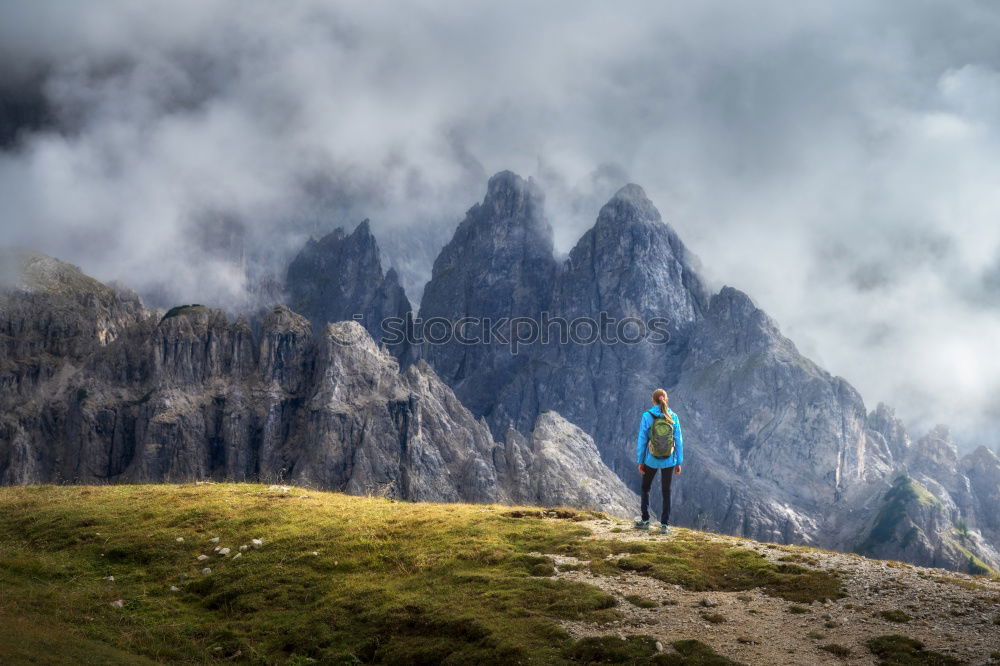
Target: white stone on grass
pixel 206 571
pixel 224 551
pixel 118 603
pixel 202 558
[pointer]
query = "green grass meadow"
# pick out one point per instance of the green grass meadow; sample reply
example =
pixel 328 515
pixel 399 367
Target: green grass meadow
pixel 390 581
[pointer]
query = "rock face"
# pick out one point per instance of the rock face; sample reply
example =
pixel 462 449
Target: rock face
pixel 51 315
pixel 559 460
pixel 780 438
pixel 499 264
pixel 914 525
pixel 193 395
pixel 340 276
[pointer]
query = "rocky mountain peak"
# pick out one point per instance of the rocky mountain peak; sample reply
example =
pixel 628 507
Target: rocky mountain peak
pixel 363 241
pixel 340 277
pixel 510 221
pixel 938 444
pixel 935 456
pixel 981 454
pixel 982 469
pixel 734 323
pixel 509 197
pixel 629 205
pixel 886 434
pixel 499 263
pixel 633 261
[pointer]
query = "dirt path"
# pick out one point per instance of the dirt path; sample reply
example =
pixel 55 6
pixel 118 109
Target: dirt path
pixel 951 613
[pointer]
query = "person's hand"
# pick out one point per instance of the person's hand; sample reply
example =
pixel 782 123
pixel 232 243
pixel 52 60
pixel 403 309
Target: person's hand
pixel 677 469
pixel 642 468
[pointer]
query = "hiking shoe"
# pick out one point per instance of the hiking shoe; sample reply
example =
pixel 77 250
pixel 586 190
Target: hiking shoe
pixel 642 524
pixel 664 529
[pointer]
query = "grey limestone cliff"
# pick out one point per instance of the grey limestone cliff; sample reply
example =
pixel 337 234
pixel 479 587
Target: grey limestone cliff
pixel 193 395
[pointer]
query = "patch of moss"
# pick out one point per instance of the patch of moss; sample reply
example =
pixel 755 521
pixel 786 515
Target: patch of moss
pixel 836 650
pixel 612 650
pixel 543 569
pixel 559 513
pixel 640 601
pixel 693 653
pixel 895 615
pixel 897 650
pixel 705 565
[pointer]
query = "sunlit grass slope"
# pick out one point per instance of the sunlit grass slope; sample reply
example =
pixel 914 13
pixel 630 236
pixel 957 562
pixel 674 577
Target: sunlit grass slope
pixel 336 579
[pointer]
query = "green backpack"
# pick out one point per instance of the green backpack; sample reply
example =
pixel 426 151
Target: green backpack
pixel 661 437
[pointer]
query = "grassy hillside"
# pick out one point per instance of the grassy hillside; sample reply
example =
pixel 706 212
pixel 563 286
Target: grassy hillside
pixel 336 579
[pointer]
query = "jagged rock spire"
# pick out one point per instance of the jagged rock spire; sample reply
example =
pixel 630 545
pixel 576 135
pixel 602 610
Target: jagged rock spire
pixel 340 276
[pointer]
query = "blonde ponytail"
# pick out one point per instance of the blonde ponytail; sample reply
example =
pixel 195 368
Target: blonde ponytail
pixel 660 398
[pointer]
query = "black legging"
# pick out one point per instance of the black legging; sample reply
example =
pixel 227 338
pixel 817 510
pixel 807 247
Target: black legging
pixel 647 482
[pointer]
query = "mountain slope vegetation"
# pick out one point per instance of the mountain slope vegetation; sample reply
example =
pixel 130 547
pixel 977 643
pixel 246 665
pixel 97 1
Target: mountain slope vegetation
pixel 250 573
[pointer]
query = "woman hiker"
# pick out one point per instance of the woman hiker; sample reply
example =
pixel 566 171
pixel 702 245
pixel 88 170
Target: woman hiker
pixel 660 446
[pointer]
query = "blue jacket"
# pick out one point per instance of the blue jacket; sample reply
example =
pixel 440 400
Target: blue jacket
pixel 642 454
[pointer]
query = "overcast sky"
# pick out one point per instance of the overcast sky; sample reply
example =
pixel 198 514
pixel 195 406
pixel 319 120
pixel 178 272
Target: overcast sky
pixel 838 161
